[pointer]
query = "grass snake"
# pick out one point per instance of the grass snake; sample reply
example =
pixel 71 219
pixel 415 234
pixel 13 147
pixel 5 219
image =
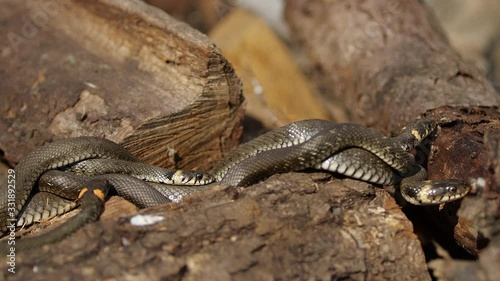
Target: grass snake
pixel 345 148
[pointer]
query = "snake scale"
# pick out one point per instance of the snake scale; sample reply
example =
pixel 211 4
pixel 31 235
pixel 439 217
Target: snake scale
pixel 345 148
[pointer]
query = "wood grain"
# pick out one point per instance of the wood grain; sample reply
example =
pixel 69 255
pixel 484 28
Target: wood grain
pixel 117 69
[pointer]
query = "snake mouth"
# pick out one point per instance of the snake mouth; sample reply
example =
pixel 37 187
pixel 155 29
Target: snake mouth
pixel 445 191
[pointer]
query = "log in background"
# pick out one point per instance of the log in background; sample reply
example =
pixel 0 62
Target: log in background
pixel 118 69
pixel 303 226
pixel 390 63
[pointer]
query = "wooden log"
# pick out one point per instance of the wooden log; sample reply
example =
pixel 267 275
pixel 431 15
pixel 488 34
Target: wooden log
pixel 472 28
pixel 118 69
pixel 276 91
pixel 292 227
pixel 200 14
pixel 390 63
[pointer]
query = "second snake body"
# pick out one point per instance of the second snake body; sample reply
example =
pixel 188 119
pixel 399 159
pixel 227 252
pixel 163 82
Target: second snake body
pixel 349 149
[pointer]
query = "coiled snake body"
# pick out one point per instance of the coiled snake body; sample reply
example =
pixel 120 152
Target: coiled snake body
pixel 348 149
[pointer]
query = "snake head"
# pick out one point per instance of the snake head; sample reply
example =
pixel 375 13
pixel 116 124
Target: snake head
pixel 202 178
pixel 437 192
pixel 413 134
pixel 420 129
pixel 181 177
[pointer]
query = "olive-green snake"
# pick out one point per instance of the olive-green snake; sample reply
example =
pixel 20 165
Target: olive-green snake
pixel 344 148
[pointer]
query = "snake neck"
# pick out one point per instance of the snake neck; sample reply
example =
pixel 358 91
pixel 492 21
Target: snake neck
pixel 412 135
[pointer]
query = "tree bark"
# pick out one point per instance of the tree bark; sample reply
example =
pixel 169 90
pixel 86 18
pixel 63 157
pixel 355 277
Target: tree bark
pixel 292 227
pixel 117 69
pixel 389 62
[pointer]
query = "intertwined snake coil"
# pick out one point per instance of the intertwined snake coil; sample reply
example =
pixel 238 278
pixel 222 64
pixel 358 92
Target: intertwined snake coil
pixel 345 148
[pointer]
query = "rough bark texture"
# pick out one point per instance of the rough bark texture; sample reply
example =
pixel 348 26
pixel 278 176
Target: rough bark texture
pixel 291 227
pixel 486 268
pixel 303 226
pixel 389 63
pixel 118 69
pixel 463 150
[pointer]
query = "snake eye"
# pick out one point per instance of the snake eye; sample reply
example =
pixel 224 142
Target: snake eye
pixel 452 189
pixel 199 176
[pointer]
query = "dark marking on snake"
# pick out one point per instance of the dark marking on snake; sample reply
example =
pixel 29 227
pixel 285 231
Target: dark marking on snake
pixel 353 150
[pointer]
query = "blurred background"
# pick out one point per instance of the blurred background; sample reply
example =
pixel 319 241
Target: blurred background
pixel 472 27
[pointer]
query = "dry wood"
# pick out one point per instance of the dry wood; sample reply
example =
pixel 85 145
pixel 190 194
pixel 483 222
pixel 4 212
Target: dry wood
pixel 291 227
pixel 389 63
pixel 118 69
pixel 277 93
